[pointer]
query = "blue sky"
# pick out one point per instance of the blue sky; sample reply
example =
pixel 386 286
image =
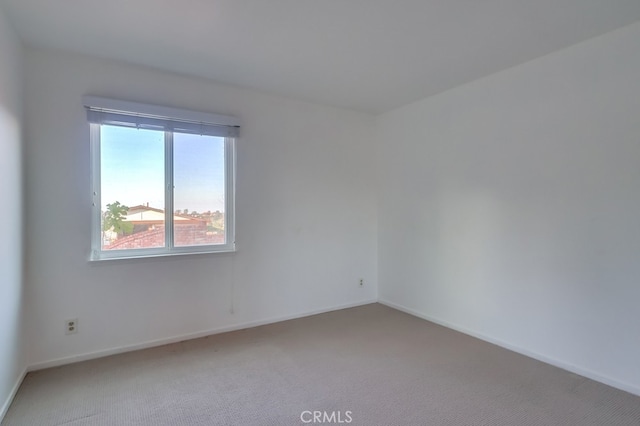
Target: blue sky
pixel 132 169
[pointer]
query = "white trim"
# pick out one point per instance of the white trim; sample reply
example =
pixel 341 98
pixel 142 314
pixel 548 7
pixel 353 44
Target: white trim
pixel 230 192
pixel 165 341
pixel 106 104
pixel 12 395
pixel 133 254
pixel 627 387
pixel 96 211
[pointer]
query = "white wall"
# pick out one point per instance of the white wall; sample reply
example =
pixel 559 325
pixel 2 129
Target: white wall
pixel 510 208
pixel 12 354
pixel 306 215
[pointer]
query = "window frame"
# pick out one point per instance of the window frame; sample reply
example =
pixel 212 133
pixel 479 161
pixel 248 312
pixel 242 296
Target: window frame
pixel 137 110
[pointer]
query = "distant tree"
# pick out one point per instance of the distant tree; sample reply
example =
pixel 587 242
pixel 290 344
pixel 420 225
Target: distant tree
pixel 216 222
pixel 185 211
pixel 113 219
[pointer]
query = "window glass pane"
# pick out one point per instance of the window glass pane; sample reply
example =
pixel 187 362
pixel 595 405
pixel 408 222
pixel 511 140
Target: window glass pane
pixel 132 188
pixel 199 190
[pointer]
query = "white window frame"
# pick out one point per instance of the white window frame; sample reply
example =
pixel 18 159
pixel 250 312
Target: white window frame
pixel 104 111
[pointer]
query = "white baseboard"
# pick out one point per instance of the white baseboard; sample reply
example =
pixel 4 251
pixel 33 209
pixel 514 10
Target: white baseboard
pixel 627 387
pixel 165 341
pixel 12 394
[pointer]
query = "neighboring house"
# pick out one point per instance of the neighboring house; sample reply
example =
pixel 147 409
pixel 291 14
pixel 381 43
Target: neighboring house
pixel 145 218
pixel 148 230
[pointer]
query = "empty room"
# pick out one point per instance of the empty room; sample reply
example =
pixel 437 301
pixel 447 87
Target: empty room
pixel 290 212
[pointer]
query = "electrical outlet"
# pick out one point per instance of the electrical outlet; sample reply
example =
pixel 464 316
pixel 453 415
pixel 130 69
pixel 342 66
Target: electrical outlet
pixel 71 326
pixel 361 282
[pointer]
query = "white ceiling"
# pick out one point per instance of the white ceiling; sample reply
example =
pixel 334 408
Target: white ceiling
pixel 369 55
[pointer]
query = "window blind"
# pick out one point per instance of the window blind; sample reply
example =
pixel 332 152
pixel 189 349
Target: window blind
pixel 145 116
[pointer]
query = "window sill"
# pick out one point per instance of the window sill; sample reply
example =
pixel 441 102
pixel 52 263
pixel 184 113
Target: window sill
pixel 159 254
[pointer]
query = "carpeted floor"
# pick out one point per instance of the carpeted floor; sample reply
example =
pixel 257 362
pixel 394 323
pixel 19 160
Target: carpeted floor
pixel 371 365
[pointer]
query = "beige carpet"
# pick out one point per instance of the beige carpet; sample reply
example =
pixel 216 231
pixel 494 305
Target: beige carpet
pixel 372 365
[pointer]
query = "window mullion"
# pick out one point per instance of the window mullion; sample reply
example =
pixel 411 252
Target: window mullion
pixel 168 197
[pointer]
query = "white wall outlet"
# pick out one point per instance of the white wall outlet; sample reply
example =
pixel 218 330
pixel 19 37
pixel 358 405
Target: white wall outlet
pixel 361 282
pixel 71 326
